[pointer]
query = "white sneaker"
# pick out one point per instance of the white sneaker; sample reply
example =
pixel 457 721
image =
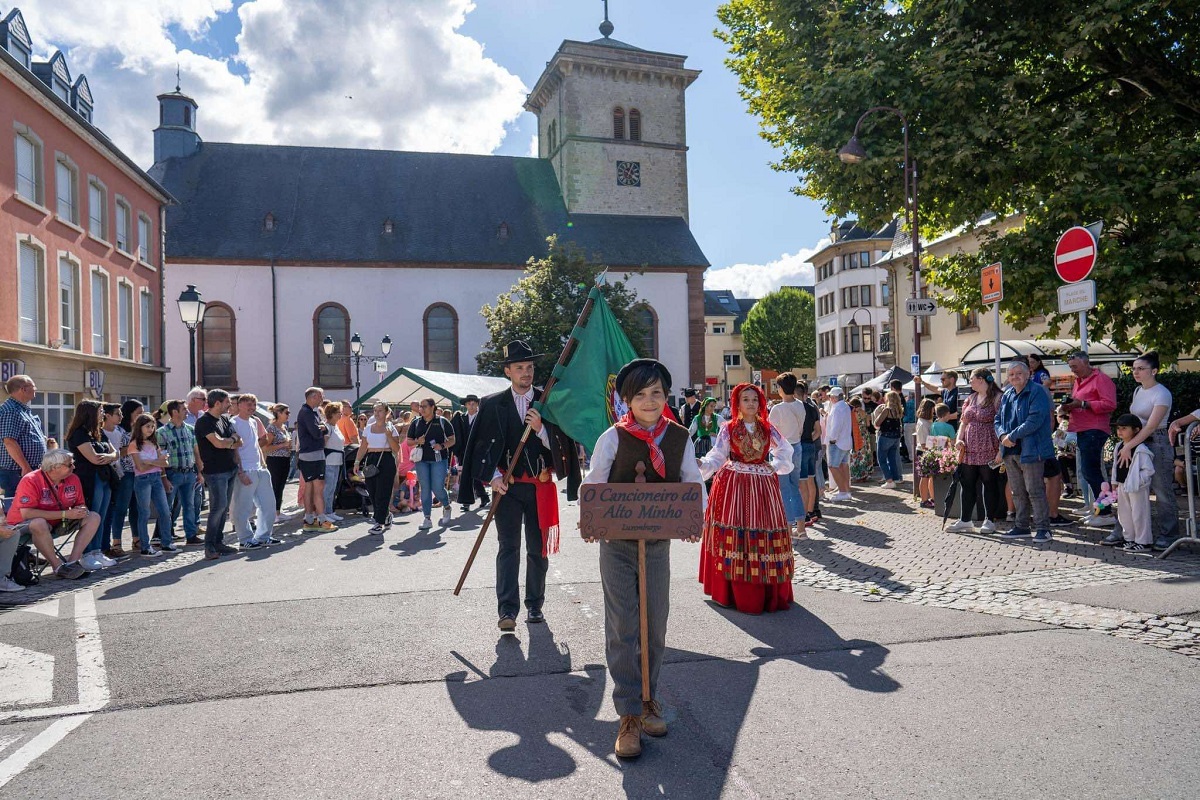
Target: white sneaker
pixel 7 584
pixel 91 560
pixel 889 484
pixel 104 560
pixel 445 515
pixel 1102 520
pixel 426 524
pixel 987 527
pixel 842 497
pixel 333 518
pixel 960 526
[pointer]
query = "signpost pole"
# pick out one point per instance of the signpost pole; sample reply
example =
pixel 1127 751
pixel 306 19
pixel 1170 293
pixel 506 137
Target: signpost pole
pixel 1083 338
pixel 996 311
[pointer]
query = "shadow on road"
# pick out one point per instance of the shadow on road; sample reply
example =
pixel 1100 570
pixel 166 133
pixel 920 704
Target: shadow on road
pixel 705 697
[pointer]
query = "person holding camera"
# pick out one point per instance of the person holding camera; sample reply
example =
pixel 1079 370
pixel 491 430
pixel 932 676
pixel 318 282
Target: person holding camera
pixel 431 438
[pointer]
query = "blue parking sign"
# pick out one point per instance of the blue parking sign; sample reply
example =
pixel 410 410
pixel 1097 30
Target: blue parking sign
pixel 916 364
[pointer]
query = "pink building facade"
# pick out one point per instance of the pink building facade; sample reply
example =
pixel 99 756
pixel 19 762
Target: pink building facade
pixel 81 249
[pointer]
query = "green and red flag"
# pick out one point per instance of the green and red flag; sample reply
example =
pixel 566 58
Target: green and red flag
pixel 583 401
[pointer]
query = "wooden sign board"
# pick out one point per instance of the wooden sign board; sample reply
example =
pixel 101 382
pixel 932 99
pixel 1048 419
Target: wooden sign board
pixel 649 511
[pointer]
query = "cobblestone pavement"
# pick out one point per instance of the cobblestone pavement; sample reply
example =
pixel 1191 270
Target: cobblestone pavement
pixel 882 547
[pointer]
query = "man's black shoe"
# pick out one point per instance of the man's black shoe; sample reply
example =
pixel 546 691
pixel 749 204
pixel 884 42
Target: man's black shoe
pixel 225 550
pixel 466 509
pixel 507 623
pixel 535 616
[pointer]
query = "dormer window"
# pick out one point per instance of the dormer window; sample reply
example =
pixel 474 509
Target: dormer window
pixel 388 227
pixel 618 123
pixel 502 232
pixel 635 125
pixel 269 222
pixel 187 116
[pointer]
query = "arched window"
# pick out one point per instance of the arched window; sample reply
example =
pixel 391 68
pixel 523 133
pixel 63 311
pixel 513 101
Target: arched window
pixel 218 359
pixel 648 346
pixel 552 137
pixel 187 116
pixel 333 320
pixel 441 338
pixel 618 123
pixel 635 125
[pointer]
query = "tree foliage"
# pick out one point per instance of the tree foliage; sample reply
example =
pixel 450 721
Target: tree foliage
pixel 1068 112
pixel 780 332
pixel 545 303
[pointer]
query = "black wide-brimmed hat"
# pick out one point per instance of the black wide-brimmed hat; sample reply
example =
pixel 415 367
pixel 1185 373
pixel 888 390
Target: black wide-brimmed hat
pixel 664 375
pixel 518 351
pixel 471 398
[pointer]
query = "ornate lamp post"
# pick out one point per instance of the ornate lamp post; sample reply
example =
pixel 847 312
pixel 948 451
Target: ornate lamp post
pixel 356 356
pixel 191 311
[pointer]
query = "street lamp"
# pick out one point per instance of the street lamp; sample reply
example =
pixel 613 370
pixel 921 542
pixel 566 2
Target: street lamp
pixel 853 153
pixel 356 357
pixel 191 311
pixel 867 336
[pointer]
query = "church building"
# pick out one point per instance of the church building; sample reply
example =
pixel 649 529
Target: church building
pixel 288 245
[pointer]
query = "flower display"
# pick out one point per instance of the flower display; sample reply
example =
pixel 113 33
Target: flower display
pixel 939 461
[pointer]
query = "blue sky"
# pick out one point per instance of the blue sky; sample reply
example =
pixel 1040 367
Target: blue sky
pixel 358 73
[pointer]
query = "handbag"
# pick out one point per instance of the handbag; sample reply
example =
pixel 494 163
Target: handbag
pixel 24 567
pixel 371 470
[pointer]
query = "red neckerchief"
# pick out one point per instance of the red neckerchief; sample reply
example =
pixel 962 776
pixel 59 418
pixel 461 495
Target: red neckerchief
pixel 628 424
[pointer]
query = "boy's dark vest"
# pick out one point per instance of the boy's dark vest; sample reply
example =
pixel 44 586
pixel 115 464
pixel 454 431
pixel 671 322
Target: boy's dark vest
pixel 810 421
pixel 631 450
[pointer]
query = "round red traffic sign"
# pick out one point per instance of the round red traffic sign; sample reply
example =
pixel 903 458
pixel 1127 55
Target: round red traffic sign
pixel 1075 254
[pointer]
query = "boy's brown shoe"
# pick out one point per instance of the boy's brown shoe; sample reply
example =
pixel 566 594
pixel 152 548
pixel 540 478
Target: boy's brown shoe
pixel 652 722
pixel 629 737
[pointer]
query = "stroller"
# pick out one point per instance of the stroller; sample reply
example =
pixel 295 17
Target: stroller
pixel 351 494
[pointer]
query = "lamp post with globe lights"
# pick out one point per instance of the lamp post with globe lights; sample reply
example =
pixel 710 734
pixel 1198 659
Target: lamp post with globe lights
pixel 356 356
pixel 191 311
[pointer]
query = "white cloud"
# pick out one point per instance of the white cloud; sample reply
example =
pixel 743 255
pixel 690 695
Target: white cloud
pixel 348 73
pixel 756 280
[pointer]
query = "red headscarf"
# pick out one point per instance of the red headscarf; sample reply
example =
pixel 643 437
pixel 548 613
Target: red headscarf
pixel 735 412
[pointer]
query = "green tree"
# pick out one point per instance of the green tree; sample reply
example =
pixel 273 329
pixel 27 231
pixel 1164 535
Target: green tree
pixel 780 332
pixel 544 305
pixel 1067 112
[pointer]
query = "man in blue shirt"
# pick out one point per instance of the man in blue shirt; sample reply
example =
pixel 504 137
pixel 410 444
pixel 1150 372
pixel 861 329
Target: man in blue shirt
pixel 1023 425
pixel 21 430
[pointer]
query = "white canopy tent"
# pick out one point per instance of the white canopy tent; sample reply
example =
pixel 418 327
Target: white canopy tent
pixel 880 382
pixel 446 388
pixel 933 376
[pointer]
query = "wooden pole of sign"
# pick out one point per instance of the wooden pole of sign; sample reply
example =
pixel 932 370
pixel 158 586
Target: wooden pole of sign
pixel 645 634
pixel 563 358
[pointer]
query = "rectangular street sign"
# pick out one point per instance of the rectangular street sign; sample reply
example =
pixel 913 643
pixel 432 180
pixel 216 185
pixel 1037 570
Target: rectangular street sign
pixel 920 307
pixel 381 366
pixel 915 363
pixel 1074 297
pixel 991 282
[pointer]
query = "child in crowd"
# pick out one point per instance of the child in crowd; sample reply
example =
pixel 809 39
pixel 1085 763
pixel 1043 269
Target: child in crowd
pixel 1065 444
pixel 942 427
pixel 665 450
pixel 1133 487
pixel 924 430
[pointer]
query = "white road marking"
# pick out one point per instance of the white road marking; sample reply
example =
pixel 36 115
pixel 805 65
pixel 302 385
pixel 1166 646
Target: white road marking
pixel 37 746
pixel 26 676
pixel 5 741
pixel 49 608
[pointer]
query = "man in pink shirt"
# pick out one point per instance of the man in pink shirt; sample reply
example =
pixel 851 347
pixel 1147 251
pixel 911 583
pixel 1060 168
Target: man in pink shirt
pixel 1093 400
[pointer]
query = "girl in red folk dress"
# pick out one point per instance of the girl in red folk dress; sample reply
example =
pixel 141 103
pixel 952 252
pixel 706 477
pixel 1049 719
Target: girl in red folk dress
pixel 746 560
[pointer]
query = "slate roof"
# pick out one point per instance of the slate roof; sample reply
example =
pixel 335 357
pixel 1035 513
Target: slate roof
pixel 330 205
pixel 720 302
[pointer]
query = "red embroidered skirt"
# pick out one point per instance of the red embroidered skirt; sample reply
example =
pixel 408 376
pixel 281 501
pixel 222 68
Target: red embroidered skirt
pixel 746 561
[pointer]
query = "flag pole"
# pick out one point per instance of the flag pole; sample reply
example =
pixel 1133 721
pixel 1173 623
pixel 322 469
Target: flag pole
pixel 563 358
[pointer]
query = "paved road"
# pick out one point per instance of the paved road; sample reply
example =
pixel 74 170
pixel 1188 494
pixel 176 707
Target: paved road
pixel 339 665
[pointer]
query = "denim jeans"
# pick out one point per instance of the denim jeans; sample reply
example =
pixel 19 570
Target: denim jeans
pixel 220 493
pixel 888 448
pixel 102 495
pixel 114 524
pixel 150 491
pixel 332 473
pixel 789 487
pixel 1091 457
pixel 183 493
pixel 259 495
pixel 432 475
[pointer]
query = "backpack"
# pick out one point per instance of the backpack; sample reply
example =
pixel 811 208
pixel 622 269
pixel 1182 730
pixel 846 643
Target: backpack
pixel 24 567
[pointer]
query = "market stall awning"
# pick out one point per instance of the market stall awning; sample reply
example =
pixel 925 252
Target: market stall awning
pixel 880 382
pixel 446 388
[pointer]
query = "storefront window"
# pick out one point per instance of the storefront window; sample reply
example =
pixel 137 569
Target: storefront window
pixel 55 410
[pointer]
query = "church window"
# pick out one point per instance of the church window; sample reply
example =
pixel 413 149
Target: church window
pixel 441 338
pixel 187 116
pixel 502 232
pixel 388 227
pixel 552 136
pixel 269 222
pixel 648 346
pixel 618 123
pixel 635 125
pixel 218 361
pixel 332 320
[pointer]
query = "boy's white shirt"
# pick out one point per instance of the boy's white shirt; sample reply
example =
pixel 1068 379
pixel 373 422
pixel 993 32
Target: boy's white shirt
pixel 606 451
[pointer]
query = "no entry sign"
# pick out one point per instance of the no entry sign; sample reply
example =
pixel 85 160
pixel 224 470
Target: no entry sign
pixel 1075 254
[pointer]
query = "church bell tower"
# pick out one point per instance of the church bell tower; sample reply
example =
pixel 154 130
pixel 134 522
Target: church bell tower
pixel 612 121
